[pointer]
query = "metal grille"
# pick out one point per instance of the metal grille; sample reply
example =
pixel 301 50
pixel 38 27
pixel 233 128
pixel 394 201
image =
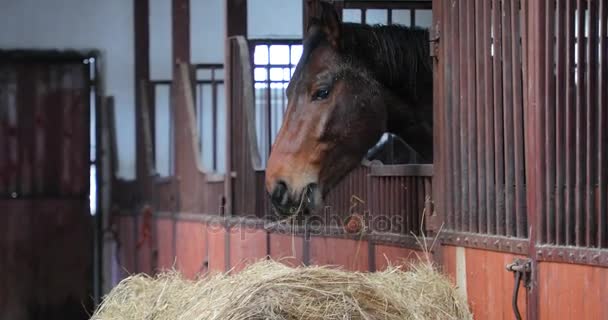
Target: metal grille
pixel 482 154
pixel 274 63
pixel 573 136
pixel 407 13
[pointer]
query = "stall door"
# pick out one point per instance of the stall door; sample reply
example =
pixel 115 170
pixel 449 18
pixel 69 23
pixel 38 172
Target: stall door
pixel 45 221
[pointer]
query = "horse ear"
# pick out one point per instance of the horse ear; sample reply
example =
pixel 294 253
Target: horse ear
pixel 327 21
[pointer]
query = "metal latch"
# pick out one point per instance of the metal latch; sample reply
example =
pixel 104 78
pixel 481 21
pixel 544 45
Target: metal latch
pixel 522 269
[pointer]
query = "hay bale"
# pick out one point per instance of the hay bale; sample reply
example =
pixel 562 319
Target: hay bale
pixel 271 290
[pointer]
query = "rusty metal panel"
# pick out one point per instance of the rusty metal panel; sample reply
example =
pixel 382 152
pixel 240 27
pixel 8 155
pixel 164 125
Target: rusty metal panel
pixel 216 248
pixel 572 132
pixel 484 105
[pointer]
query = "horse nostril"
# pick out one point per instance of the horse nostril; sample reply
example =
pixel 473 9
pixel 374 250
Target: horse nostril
pixel 279 194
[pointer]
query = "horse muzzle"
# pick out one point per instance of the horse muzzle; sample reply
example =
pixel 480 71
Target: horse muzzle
pixel 286 202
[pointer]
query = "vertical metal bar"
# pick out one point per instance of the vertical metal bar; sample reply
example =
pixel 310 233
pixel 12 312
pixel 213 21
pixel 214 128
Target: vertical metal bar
pixel 390 16
pixel 471 155
pixel 464 111
pixel 580 125
pixel 480 119
pixel 602 238
pixel 489 117
pixel 560 128
pixel 455 85
pixel 413 17
pixel 549 135
pixel 570 124
pixel 591 136
pixel 215 117
pixel 518 126
pixel 447 146
pixel 267 111
pixel 509 161
pixel 498 119
pixel 534 14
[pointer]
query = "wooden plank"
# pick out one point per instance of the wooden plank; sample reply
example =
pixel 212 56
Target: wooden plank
pixel 216 239
pixel 396 256
pixel 247 245
pixel 350 254
pixel 489 117
pixel 287 248
pixel 191 243
pixel 164 244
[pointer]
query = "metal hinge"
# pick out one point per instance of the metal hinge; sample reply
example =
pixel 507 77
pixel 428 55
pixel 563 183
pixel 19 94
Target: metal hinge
pixel 434 35
pixel 522 269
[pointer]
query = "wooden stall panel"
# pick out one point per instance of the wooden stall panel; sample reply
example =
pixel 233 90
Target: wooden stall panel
pixel 286 248
pixel 247 245
pixel 127 242
pixel 391 255
pixel 144 245
pixel 350 254
pixel 216 247
pixel 164 244
pixel 482 273
pixel 191 248
pixel 569 291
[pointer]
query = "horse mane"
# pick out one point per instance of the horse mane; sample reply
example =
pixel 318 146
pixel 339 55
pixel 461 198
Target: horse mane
pixel 397 56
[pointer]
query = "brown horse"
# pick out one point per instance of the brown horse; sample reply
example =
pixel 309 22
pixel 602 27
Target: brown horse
pixel 353 83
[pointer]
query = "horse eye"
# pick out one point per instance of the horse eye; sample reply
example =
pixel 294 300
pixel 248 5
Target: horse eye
pixel 321 94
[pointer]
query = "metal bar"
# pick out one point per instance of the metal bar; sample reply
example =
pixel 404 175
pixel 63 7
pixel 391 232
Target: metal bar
pixel 489 119
pixel 394 4
pixel 569 254
pixel 549 134
pixel 509 161
pixel 602 233
pixel 560 108
pixel 580 126
pixel 570 124
pixel 518 123
pixel 447 145
pixel 498 119
pixel 464 111
pixel 591 136
pixel 482 212
pixel 472 118
pixel 455 108
pixel 214 118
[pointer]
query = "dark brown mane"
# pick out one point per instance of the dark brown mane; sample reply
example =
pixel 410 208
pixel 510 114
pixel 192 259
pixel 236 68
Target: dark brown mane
pixel 397 56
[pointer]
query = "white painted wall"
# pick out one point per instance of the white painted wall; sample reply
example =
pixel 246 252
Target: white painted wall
pixel 83 24
pixel 274 19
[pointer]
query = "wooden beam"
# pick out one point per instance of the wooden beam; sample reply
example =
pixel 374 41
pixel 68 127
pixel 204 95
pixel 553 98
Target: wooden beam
pixel 236 18
pixel 141 29
pixel 181 31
